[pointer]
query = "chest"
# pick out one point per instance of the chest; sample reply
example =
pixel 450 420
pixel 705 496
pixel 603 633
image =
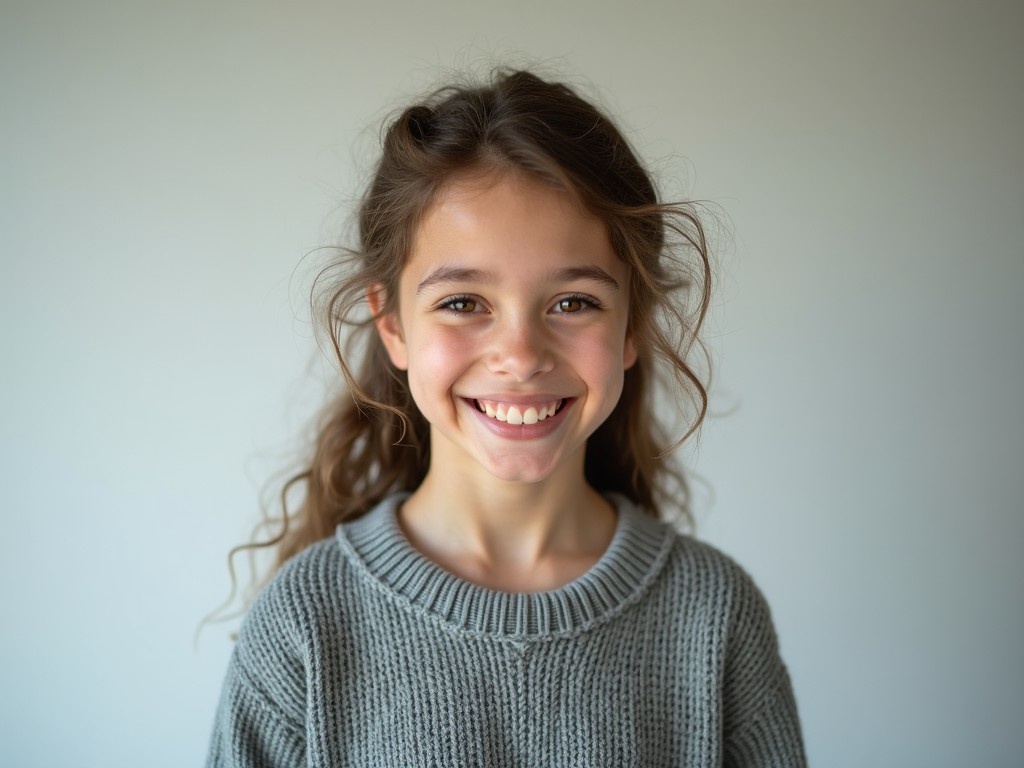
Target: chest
pixel 623 694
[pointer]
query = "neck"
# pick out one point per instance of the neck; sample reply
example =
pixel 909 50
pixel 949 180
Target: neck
pixel 510 535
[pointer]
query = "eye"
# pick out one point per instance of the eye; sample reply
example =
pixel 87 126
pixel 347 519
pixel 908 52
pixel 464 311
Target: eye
pixel 459 305
pixel 572 304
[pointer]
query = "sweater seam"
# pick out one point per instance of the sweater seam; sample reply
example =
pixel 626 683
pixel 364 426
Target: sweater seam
pixel 768 703
pixel 265 703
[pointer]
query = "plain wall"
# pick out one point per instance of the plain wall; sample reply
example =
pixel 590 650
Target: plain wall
pixel 165 167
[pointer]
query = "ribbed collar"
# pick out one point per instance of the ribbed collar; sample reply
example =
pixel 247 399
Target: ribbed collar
pixel 638 549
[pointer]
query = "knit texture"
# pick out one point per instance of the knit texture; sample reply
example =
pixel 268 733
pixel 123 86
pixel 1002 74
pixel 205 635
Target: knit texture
pixel 361 652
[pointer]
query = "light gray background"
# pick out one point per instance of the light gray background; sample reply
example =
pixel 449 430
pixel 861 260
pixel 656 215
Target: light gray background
pixel 164 167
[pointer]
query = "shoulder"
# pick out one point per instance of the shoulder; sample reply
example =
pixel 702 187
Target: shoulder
pixel 300 587
pixel 703 558
pixel 304 588
pixel 685 561
pixel 758 706
pixel 696 581
pixel 720 591
pixel 319 587
pixel 701 566
pixel 703 563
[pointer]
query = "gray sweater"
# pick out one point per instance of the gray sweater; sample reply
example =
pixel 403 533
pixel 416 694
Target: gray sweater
pixel 361 652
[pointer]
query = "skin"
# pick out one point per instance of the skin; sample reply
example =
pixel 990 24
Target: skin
pixel 512 294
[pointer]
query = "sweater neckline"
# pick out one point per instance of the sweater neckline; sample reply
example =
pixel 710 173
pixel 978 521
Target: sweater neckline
pixel 638 549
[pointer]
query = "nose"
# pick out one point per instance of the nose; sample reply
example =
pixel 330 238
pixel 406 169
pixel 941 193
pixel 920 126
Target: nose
pixel 521 349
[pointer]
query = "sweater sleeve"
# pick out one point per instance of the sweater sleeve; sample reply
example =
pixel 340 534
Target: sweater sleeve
pixel 761 726
pixel 260 718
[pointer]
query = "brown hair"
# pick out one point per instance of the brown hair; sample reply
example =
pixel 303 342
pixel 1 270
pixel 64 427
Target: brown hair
pixel 372 439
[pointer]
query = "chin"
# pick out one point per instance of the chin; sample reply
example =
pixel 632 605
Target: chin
pixel 523 478
pixel 520 470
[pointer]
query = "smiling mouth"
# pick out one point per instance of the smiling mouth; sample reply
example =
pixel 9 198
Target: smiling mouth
pixel 519 413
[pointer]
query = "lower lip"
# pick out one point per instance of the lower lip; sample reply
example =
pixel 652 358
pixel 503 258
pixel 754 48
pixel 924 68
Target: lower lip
pixel 522 431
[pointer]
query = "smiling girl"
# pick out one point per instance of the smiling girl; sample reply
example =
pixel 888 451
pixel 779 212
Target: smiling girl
pixel 478 573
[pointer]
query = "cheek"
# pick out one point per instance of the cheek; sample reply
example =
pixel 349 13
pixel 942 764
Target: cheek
pixel 436 360
pixel 599 359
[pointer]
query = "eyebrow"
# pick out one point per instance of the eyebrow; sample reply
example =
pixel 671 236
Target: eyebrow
pixel 446 274
pixel 590 272
pixel 453 275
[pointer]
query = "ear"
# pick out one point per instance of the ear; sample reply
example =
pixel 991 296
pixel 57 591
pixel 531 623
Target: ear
pixel 628 353
pixel 389 327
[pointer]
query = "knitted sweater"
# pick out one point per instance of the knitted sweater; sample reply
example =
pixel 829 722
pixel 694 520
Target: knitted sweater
pixel 362 652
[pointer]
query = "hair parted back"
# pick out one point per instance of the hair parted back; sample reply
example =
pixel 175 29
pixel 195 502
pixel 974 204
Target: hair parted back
pixel 372 439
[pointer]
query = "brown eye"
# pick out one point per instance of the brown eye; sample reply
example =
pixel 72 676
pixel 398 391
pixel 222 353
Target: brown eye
pixel 570 304
pixel 460 305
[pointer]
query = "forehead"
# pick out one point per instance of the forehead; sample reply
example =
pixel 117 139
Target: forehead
pixel 509 220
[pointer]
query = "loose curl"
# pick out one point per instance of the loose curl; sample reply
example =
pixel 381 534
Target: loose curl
pixel 372 440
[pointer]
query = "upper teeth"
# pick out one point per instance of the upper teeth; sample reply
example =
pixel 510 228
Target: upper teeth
pixel 518 414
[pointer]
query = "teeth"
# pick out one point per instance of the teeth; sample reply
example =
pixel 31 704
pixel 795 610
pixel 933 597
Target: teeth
pixel 515 414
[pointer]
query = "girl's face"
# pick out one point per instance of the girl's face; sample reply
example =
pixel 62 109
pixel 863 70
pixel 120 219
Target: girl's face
pixel 511 323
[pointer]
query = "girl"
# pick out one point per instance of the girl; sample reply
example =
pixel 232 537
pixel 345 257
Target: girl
pixel 478 575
